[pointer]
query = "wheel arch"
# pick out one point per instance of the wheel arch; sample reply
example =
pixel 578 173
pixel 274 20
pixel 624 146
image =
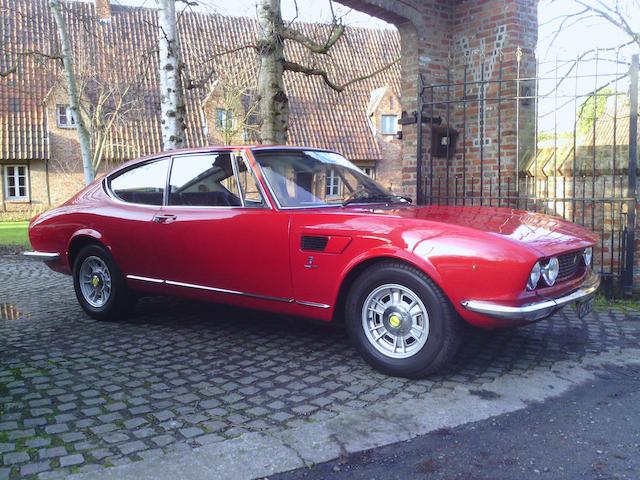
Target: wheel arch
pixel 81 239
pixel 356 268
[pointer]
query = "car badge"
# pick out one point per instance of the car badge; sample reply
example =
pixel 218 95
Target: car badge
pixel 309 263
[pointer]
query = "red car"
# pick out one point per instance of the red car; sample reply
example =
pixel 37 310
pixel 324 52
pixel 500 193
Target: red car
pixel 303 232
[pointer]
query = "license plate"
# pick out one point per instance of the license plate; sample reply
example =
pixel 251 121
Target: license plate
pixel 584 308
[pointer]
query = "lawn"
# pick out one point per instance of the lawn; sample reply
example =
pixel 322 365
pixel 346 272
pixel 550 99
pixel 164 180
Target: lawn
pixel 14 233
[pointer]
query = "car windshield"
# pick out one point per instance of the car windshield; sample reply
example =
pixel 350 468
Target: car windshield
pixel 311 178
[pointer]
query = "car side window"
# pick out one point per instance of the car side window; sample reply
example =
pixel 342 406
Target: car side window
pixel 143 185
pixel 249 185
pixel 203 180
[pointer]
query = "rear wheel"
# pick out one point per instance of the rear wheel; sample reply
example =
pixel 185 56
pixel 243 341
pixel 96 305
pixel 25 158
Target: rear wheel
pixel 401 322
pixel 100 287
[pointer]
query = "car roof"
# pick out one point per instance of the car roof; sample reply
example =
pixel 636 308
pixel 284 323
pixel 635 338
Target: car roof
pixel 211 148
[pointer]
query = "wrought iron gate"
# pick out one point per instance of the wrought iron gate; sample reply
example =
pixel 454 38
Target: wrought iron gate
pixel 490 143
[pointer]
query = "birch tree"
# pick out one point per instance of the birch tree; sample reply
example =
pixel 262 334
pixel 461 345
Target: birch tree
pixel 272 63
pixel 172 104
pixel 72 90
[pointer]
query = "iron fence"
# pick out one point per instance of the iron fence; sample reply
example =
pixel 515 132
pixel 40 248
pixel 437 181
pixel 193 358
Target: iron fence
pixel 561 140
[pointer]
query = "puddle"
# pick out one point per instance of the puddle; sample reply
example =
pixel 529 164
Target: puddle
pixel 9 311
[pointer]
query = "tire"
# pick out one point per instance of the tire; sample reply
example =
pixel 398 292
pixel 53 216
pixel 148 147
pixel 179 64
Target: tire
pixel 399 290
pixel 116 299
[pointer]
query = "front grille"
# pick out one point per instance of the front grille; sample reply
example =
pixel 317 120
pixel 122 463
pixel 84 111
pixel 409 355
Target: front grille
pixel 570 263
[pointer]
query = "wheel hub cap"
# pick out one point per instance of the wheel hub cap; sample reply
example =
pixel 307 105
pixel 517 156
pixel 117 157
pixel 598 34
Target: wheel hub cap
pixel 95 281
pixel 395 321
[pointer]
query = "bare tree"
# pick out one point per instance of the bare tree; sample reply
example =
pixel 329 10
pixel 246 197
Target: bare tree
pixel 272 97
pixel 172 106
pixel 621 14
pixel 72 89
pixel 111 96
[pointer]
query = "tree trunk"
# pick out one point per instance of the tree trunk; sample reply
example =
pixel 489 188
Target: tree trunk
pixel 273 101
pixel 172 106
pixel 72 88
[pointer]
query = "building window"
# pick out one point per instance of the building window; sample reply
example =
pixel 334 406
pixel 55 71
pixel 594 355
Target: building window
pixel 224 119
pixel 369 172
pixel 16 182
pixel 333 184
pixel 389 124
pixel 64 117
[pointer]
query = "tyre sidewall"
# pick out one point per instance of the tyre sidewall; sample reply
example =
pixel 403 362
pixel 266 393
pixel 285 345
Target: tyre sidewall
pixel 413 366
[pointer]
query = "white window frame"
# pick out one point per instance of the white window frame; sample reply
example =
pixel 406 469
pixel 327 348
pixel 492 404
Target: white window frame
pixel 394 128
pixel 71 123
pixel 227 120
pixel 333 184
pixel 16 176
pixel 369 172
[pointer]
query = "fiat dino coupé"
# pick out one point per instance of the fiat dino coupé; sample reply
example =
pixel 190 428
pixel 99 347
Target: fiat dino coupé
pixel 303 232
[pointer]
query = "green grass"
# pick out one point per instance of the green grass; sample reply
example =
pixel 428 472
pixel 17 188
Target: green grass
pixel 14 233
pixel 626 305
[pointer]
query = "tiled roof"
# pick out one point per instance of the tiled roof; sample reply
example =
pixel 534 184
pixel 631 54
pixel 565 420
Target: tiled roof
pixel 319 116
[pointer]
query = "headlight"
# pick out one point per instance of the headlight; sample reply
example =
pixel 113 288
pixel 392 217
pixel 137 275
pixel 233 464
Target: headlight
pixel 550 271
pixel 534 277
pixel 587 255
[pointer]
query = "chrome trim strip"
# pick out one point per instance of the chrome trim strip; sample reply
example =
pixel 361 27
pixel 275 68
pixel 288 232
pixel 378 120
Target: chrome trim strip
pixel 312 304
pixel 144 279
pixel 230 292
pixel 534 311
pixel 44 256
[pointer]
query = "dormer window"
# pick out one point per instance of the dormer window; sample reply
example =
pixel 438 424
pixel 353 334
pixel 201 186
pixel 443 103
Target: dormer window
pixel 389 124
pixel 64 117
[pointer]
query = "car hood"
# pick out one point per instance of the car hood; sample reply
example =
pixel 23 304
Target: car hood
pixel 546 234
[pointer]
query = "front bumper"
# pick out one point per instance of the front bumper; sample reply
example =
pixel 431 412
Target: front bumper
pixel 538 310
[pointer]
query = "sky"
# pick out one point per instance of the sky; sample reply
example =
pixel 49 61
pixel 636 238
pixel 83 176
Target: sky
pixel 308 10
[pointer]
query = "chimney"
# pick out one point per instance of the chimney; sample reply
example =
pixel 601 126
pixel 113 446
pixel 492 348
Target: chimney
pixel 103 11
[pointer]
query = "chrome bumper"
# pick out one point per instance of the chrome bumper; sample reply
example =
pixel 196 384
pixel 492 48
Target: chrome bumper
pixel 538 310
pixel 44 256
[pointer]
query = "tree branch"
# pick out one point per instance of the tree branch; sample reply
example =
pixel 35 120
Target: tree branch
pixel 322 48
pixel 6 73
pixel 311 71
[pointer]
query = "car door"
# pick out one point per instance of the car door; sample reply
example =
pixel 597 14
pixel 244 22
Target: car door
pixel 219 235
pixel 137 194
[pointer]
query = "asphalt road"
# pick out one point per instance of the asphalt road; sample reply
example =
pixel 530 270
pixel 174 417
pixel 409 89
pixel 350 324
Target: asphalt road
pixel 590 432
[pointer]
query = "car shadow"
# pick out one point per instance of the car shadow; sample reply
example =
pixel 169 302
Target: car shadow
pixel 483 353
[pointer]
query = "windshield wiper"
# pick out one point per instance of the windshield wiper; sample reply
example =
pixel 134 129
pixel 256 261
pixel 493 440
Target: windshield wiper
pixel 375 199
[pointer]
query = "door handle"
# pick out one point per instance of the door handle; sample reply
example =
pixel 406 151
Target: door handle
pixel 164 218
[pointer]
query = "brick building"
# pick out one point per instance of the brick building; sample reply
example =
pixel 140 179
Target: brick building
pixel 39 155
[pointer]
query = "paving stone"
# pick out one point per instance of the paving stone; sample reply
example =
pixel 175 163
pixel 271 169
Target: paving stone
pixel 70 460
pixel 33 468
pixel 8 426
pixel 163 440
pixel 51 452
pixel 191 432
pixel 57 428
pixel 7 447
pixel 15 457
pixel 115 437
pixel 131 447
pixel 134 422
pixel 38 442
pixel 4 473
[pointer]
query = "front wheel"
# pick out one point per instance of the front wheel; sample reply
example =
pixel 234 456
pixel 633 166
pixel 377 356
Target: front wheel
pixel 100 287
pixel 401 322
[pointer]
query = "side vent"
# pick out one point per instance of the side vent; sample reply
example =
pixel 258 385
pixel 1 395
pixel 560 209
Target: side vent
pixel 315 244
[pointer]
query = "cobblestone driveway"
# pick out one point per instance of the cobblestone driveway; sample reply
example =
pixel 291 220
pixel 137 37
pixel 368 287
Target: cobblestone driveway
pixel 78 395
